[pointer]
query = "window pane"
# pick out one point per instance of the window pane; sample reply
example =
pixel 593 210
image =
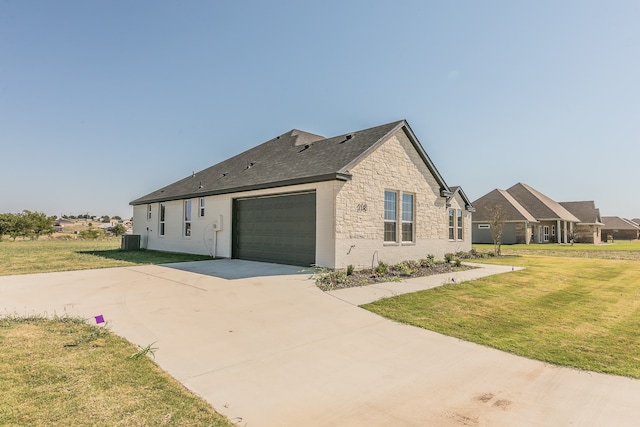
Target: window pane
pixel 452 231
pixel 407 232
pixel 390 232
pixel 187 210
pixel 407 207
pixel 390 205
pixel 162 211
pixel 187 229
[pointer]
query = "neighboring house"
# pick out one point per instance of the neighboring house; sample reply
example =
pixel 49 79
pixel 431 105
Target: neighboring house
pixel 589 229
pixel 616 228
pixel 636 221
pixel 63 222
pixel 530 217
pixel 302 199
pixel 518 222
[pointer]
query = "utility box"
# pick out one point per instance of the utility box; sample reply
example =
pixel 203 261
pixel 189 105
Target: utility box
pixel 130 242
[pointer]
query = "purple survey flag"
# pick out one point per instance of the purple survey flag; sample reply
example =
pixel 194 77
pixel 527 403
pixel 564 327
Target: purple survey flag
pixel 100 319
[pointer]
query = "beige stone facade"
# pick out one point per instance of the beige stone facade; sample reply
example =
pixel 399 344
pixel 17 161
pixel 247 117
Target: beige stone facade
pixel 359 205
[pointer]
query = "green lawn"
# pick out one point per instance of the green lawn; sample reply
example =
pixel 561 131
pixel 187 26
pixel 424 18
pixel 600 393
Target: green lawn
pixel 42 256
pixel 572 311
pixel 618 250
pixel 64 372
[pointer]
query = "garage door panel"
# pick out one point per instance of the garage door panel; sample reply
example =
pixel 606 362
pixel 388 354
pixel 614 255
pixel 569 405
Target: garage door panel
pixel 280 229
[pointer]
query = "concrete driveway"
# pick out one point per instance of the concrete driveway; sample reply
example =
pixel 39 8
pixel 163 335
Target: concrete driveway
pixel 267 348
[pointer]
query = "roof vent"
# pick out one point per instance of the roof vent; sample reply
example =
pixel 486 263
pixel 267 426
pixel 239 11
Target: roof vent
pixel 346 138
pixel 200 187
pixel 306 147
pixel 250 165
pixel 193 174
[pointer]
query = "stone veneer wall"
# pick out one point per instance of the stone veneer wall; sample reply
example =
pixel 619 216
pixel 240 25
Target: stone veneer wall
pixel 395 165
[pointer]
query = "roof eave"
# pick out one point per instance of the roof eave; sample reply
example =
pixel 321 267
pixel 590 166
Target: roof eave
pixel 339 176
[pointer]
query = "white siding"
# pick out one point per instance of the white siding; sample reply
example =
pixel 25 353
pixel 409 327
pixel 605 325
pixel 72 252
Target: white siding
pixel 203 237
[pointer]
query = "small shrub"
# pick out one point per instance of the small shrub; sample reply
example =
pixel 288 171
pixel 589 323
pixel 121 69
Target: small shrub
pixel 428 262
pixel 448 257
pixel 338 277
pixel 458 262
pixel 349 269
pixel 381 269
pixel 91 234
pixel 328 279
pixel 406 268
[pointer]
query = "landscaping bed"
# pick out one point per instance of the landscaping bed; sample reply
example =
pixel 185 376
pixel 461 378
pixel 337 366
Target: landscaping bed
pixel 328 280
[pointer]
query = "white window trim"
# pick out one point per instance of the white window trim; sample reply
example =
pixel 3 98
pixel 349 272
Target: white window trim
pixel 187 216
pixel 386 221
pixel 460 227
pixel 412 221
pixel 162 219
pixel 201 207
pixel 451 224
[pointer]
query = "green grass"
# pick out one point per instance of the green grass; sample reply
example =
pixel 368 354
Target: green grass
pixel 66 372
pixel 570 311
pixel 617 250
pixel 43 256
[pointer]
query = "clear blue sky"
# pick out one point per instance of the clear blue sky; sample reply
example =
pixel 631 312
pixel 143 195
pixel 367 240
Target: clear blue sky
pixel 103 102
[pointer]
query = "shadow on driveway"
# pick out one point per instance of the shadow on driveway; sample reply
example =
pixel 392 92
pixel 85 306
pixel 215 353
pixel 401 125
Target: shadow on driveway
pixel 231 269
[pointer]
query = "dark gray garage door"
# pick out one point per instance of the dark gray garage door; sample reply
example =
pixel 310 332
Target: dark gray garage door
pixel 279 229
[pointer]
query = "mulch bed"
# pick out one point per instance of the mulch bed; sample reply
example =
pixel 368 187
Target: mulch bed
pixel 328 281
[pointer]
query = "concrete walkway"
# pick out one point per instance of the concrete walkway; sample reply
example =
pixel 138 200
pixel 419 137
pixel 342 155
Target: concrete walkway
pixel 274 350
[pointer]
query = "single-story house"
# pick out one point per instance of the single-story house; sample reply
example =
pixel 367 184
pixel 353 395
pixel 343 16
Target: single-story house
pixel 63 222
pixel 589 229
pixel 636 221
pixel 518 222
pixel 303 199
pixel 529 217
pixel 616 228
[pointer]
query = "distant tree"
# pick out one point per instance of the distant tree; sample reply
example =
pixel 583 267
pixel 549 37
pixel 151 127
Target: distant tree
pixel 105 218
pixel 7 224
pixel 38 223
pixel 497 219
pixel 117 217
pixel 20 226
pixel 118 229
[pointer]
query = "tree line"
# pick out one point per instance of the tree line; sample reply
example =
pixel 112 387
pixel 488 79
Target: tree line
pixel 26 224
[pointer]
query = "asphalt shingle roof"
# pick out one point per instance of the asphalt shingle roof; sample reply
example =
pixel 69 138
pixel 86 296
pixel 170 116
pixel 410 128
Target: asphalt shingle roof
pixel 615 222
pixel 295 157
pixel 539 205
pixel 513 211
pixel 586 211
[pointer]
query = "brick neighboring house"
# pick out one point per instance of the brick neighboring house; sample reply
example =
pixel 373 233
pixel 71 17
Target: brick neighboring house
pixel 530 217
pixel 616 228
pixel 303 199
pixel 589 229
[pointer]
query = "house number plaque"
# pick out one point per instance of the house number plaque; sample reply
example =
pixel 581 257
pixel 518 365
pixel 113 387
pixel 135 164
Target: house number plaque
pixel 362 207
